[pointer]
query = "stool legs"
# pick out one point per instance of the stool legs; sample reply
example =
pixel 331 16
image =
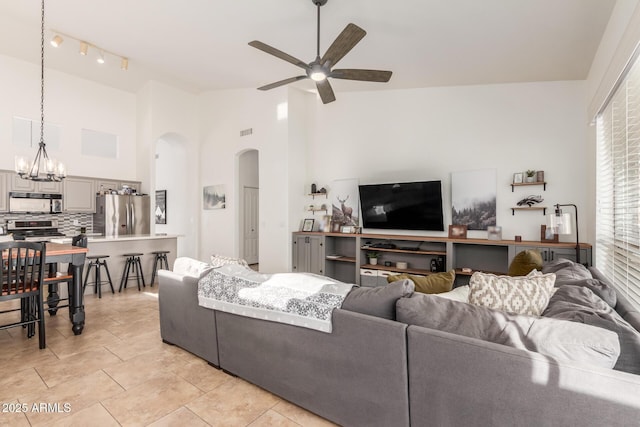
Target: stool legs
pixel 97 276
pixel 162 259
pixel 134 266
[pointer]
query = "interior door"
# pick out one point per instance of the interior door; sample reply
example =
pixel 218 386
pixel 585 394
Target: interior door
pixel 251 210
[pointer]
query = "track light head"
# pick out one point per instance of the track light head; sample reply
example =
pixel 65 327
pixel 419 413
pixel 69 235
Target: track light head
pixel 124 64
pixel 56 41
pixel 84 47
pixel 101 58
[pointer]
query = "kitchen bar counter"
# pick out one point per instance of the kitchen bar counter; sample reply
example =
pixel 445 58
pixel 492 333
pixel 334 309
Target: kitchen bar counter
pixel 116 246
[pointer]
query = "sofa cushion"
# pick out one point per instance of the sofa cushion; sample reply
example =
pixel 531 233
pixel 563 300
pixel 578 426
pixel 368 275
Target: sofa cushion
pixel 519 295
pixel 524 262
pixel 430 284
pixel 220 260
pixel 580 304
pixel 551 337
pixel 190 267
pixel 379 301
pixel 601 289
pixel 461 293
pixel 565 269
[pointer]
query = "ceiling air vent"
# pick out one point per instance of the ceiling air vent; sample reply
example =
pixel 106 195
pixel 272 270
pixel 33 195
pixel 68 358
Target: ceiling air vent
pixel 246 132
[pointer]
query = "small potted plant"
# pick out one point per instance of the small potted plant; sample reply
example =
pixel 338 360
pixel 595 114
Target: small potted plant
pixel 531 175
pixel 372 256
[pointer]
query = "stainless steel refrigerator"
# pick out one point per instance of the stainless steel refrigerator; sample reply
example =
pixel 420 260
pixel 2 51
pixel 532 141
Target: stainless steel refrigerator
pixel 118 215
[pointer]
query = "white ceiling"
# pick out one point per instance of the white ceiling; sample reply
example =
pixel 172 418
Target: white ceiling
pixel 201 45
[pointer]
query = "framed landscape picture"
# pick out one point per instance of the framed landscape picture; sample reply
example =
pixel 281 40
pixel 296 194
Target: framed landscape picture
pixel 161 207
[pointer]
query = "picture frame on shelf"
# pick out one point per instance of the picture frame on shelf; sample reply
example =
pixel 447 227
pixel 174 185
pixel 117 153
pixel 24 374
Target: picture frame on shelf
pixel 457 231
pixel 335 227
pixel 518 178
pixel 494 232
pixel 307 224
pixel 547 235
pixel 347 229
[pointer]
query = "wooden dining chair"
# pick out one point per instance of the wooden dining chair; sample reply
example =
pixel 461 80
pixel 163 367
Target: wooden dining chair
pixel 21 277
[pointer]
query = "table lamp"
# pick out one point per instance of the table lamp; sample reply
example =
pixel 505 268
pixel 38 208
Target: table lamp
pixel 560 223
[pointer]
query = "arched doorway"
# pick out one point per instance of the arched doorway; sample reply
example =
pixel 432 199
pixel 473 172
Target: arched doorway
pixel 249 207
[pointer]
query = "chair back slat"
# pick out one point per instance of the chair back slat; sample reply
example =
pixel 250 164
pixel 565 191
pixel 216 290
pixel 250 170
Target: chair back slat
pixel 22 267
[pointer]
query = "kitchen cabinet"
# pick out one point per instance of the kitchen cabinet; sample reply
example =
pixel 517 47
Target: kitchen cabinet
pixel 24 185
pixel 79 195
pixel 4 195
pixel 308 254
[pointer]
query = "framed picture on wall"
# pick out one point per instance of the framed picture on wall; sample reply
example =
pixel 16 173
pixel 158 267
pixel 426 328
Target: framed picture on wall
pixel 161 207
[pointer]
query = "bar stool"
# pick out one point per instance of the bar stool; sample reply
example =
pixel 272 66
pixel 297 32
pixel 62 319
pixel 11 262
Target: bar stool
pixel 97 261
pixel 160 257
pixel 132 263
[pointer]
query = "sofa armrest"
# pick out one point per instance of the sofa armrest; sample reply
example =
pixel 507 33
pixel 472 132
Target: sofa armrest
pixel 455 380
pixel 182 321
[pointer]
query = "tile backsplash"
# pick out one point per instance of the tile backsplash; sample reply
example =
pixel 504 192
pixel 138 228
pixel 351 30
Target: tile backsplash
pixel 65 221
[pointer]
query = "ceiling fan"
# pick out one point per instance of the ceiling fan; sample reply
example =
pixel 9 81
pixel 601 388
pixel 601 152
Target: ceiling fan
pixel 320 69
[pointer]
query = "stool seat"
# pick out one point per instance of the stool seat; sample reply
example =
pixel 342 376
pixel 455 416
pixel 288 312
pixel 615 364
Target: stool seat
pixel 134 266
pixel 98 261
pixel 161 258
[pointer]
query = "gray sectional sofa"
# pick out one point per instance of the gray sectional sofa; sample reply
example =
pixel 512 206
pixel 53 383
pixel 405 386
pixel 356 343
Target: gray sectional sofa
pixel 376 371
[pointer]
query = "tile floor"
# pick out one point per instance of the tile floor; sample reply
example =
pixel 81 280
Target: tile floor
pixel 119 372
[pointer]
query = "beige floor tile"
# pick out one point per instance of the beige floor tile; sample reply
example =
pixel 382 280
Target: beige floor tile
pixel 23 382
pixel 13 360
pixel 200 373
pixel 273 419
pixel 151 400
pixel 79 393
pixel 13 415
pixel 88 340
pixel 179 418
pixel 95 416
pixel 233 403
pixel 135 371
pixel 82 363
pixel 300 416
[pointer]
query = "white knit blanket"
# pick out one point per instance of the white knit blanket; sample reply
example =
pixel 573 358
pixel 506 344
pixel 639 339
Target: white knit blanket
pixel 300 299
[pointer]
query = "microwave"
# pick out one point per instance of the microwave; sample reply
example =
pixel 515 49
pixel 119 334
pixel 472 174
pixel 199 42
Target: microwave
pixel 45 203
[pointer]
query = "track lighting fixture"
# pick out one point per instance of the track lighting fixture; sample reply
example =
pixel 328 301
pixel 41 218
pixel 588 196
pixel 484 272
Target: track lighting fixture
pixel 84 49
pixel 56 41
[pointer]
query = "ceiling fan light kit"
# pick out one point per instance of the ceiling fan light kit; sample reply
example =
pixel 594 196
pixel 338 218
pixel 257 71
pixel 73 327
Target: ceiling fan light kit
pixel 320 69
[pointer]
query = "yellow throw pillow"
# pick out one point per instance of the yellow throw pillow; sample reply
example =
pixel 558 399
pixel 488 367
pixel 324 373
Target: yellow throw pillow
pixel 432 284
pixel 524 262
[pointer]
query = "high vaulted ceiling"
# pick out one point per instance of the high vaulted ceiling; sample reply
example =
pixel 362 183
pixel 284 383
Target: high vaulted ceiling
pixel 201 45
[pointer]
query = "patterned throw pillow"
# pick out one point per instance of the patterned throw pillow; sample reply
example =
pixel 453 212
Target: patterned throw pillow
pixel 519 295
pixel 220 260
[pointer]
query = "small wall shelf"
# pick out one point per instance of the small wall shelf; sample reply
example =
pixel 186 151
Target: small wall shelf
pixel 523 184
pixel 529 208
pixel 318 194
pixel 314 210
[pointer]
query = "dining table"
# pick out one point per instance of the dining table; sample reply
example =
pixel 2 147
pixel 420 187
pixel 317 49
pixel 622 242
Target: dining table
pixel 75 256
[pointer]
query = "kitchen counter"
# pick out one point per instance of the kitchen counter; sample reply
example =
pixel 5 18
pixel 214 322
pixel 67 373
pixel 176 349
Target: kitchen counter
pixel 92 237
pixel 114 247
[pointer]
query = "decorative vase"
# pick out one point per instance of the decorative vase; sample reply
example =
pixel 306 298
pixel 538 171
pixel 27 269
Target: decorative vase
pixel 373 261
pixel 530 179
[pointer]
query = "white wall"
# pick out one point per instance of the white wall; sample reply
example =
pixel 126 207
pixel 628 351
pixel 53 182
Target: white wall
pixel 224 114
pixel 425 134
pixel 73 104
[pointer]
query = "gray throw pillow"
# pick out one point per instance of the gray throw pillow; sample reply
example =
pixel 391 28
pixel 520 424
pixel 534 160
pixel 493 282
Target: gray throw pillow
pixel 566 270
pixel 580 304
pixel 553 338
pixel 379 301
pixel 601 289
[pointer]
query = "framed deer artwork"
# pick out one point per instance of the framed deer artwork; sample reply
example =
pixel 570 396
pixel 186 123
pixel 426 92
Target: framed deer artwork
pixel 345 201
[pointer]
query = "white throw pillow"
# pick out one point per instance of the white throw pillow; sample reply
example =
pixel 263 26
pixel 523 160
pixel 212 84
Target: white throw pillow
pixel 190 267
pixel 520 295
pixel 461 293
pixel 220 260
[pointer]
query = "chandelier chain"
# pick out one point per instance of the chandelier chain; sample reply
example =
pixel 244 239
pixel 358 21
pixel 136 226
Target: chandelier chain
pixel 42 76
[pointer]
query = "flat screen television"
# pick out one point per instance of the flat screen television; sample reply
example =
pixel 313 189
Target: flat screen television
pixel 402 206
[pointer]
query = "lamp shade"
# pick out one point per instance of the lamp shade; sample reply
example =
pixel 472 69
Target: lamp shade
pixel 560 223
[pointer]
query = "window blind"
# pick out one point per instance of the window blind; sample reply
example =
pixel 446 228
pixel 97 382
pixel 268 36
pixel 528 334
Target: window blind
pixel 618 187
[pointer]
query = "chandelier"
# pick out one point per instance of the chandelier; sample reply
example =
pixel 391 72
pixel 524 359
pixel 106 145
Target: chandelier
pixel 42 168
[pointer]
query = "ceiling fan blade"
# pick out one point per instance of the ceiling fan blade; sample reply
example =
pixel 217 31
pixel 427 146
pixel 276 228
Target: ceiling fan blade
pixel 325 91
pixel 348 38
pixel 365 75
pixel 279 54
pixel 282 82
